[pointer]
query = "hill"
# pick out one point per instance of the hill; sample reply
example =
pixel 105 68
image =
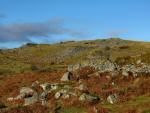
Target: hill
pixel 46 57
pixel 94 76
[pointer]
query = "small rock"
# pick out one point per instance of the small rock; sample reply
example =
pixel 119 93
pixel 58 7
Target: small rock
pixel 67 76
pixel 44 95
pixel 58 95
pixel 35 84
pixel 46 86
pixel 125 73
pixel 138 62
pixel 112 98
pixel 10 99
pixel 82 87
pixel 70 68
pixel 54 86
pixel 66 96
pixel 88 97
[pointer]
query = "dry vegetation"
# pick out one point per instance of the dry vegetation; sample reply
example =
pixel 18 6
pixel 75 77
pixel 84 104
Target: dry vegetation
pixel 21 67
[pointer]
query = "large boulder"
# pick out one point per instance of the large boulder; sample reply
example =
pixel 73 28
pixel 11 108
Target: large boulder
pixel 112 98
pixel 29 95
pixel 31 100
pixel 67 77
pixel 88 97
pixel 25 92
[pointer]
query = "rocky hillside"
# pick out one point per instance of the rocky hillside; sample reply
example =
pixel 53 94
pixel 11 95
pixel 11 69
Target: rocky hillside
pixel 100 76
pixel 44 57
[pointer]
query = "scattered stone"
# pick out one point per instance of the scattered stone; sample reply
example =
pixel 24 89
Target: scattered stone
pixel 35 84
pixel 125 73
pixel 88 97
pixel 60 93
pixel 112 98
pixel 70 68
pixel 54 86
pixel 76 67
pixel 10 99
pixel 43 95
pixel 82 87
pixel 66 96
pixel 138 62
pixel 113 84
pixel 46 86
pixel 67 76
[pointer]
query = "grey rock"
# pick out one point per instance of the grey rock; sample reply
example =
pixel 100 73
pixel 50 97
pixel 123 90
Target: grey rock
pixel 31 100
pixel 70 68
pixel 26 90
pixel 82 87
pixel 46 86
pixel 61 92
pixel 58 95
pixel 43 95
pixel 88 97
pixel 112 98
pixel 125 73
pixel 76 67
pixel 35 84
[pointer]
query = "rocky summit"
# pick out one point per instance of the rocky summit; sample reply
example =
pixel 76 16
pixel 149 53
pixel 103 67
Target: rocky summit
pixel 94 76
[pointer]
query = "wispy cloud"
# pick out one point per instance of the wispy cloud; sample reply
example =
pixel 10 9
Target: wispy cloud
pixel 22 32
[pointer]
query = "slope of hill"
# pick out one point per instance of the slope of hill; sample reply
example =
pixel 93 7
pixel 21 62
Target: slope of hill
pixel 46 57
pixel 94 76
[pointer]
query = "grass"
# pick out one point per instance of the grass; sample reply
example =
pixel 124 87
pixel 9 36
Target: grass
pixel 73 110
pixel 43 55
pixel 138 103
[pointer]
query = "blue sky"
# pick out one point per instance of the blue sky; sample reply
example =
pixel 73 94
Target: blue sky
pixel 49 21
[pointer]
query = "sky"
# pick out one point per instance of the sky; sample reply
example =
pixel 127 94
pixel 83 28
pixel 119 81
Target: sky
pixel 51 21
